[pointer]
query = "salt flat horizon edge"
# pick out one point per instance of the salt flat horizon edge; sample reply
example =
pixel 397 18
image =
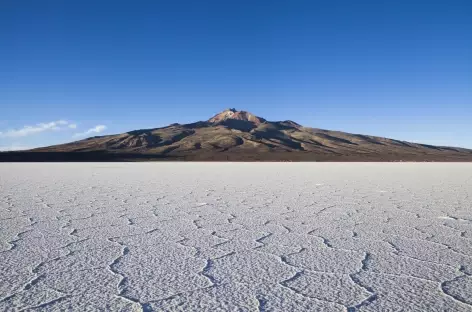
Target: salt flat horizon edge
pixel 74 157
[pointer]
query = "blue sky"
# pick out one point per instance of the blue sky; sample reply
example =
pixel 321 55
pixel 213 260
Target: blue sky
pixel 72 69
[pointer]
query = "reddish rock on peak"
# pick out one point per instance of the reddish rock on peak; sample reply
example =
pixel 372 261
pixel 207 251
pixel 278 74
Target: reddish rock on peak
pixel 236 115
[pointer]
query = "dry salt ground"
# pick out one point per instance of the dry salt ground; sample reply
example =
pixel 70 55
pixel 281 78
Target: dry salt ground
pixel 236 237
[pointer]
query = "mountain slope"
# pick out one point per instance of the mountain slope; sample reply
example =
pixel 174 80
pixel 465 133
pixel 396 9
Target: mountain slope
pixel 240 135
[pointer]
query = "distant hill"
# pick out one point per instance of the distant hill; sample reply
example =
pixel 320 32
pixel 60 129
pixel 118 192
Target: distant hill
pixel 241 136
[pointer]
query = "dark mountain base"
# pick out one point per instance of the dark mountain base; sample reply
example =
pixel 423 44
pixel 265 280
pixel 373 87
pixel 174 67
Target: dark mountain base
pixel 76 157
pixel 226 156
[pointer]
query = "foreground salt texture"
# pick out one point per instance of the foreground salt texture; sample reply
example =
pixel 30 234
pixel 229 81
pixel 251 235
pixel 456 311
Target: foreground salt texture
pixel 236 237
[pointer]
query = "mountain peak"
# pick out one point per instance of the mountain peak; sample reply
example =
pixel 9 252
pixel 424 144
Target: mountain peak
pixel 233 114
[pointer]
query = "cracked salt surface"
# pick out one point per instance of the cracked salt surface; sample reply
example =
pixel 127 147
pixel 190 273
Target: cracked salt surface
pixel 235 237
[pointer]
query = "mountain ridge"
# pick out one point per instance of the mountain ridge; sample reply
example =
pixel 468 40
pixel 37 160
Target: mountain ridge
pixel 241 135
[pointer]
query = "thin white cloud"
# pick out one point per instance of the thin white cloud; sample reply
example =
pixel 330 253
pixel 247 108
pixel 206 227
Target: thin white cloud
pixel 38 128
pixel 73 126
pixel 96 129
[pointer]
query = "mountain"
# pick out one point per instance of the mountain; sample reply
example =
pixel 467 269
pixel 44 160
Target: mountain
pixel 240 135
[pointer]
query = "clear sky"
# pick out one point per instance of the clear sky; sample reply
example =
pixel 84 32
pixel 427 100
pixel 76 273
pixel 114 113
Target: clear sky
pixel 71 69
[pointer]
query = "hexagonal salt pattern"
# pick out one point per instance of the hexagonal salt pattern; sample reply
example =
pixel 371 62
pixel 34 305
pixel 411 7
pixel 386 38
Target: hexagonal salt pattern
pixel 236 237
